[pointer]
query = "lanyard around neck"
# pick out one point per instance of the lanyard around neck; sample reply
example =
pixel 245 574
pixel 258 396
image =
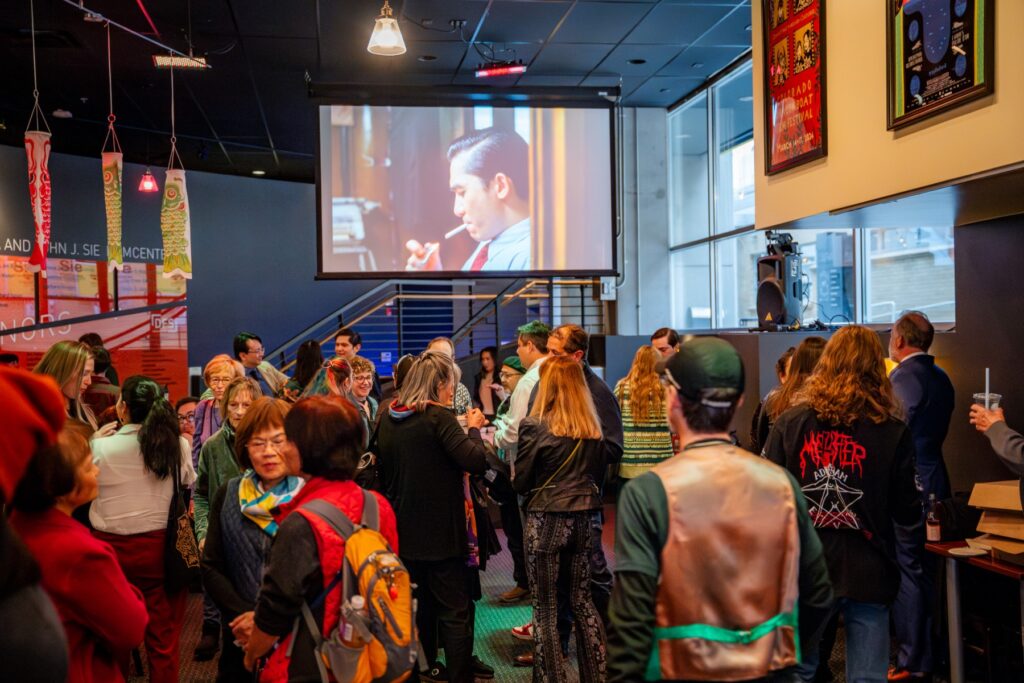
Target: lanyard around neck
pixel 704 443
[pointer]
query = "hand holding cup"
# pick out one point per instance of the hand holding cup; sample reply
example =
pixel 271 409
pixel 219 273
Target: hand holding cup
pixel 983 419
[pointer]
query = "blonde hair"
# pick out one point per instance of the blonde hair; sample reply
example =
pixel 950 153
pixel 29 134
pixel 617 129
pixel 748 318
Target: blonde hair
pixel 428 372
pixel 237 385
pixel 564 402
pixel 65 362
pixel 360 364
pixel 221 361
pixel 646 392
pixel 849 381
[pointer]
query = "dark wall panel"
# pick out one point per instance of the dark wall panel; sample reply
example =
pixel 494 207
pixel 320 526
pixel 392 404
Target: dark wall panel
pixel 253 244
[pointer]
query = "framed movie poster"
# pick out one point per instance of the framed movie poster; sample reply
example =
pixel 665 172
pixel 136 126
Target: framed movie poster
pixel 794 82
pixel 939 56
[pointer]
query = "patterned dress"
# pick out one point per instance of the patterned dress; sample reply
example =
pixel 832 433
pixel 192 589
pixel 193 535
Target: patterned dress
pixel 647 442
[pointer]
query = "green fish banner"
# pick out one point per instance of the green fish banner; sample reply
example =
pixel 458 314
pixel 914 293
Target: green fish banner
pixel 176 227
pixel 112 165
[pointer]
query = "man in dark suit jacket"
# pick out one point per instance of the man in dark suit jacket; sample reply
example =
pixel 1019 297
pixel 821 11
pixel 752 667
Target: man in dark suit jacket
pixel 927 396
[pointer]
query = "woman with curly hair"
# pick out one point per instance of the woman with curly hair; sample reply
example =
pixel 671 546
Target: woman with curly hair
pixel 854 459
pixel 641 395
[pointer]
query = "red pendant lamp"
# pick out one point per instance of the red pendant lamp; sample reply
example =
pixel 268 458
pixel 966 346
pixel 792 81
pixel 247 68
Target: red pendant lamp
pixel 148 182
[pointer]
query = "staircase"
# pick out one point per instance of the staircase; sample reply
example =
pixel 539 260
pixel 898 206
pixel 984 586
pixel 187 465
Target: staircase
pixel 399 316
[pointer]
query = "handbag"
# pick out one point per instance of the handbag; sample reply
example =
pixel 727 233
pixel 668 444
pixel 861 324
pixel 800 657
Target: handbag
pixel 181 552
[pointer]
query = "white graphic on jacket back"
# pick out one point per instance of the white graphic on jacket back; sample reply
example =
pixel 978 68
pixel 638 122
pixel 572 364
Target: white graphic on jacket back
pixel 830 498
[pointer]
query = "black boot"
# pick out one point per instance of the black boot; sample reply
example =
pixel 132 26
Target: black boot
pixel 208 644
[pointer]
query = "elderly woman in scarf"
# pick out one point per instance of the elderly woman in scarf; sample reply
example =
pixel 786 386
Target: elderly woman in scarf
pixel 241 528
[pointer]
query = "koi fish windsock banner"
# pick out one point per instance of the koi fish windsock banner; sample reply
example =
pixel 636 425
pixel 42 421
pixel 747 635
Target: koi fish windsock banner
pixel 112 167
pixel 37 148
pixel 176 227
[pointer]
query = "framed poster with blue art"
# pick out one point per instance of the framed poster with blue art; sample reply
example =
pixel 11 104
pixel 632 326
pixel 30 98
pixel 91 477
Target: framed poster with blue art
pixel 940 56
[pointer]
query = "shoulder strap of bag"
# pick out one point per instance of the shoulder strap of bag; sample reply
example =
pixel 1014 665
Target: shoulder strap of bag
pixel 579 444
pixel 344 527
pixel 371 511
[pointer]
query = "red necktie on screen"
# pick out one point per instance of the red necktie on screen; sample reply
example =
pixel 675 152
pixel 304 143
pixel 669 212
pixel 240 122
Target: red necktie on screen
pixel 481 258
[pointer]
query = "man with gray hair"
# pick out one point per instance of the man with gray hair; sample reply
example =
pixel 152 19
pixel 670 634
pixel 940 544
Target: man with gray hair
pixel 927 396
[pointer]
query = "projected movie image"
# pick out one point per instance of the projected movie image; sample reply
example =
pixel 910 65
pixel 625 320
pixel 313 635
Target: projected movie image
pixel 476 191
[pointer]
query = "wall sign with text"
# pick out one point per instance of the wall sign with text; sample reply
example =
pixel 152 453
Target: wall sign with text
pixel 939 55
pixel 794 82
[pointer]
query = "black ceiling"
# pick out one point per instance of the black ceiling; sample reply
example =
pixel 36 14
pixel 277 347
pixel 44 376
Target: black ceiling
pixel 251 110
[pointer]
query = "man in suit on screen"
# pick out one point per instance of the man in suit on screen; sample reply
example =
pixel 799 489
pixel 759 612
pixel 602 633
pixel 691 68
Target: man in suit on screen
pixel 489 176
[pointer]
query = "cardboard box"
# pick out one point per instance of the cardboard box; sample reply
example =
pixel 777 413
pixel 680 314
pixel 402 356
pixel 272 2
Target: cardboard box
pixel 1004 549
pixel 1008 524
pixel 996 495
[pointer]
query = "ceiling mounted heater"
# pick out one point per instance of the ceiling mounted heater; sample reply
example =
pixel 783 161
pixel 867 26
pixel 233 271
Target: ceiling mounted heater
pixel 495 69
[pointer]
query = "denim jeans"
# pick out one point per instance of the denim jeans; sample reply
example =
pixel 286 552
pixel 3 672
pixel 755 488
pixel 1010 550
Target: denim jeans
pixel 867 643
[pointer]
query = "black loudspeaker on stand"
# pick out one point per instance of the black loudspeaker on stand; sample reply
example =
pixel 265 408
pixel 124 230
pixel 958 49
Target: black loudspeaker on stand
pixel 779 289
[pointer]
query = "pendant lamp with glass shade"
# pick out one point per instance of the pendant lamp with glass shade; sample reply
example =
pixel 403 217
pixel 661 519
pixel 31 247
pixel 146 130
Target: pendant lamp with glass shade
pixel 386 39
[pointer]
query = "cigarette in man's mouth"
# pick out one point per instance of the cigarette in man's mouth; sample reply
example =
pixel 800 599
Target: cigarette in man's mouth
pixel 455 231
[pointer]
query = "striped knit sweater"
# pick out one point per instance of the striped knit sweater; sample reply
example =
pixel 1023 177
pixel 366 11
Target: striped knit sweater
pixel 647 442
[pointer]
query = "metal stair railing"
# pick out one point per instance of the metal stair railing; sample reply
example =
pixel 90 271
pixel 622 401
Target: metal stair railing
pixel 399 316
pixel 551 300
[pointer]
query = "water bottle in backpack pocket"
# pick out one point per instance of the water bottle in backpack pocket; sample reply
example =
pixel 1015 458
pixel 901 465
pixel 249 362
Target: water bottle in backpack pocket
pixel 375 640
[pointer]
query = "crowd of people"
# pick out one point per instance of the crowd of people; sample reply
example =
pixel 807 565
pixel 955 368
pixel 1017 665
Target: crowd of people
pixel 730 563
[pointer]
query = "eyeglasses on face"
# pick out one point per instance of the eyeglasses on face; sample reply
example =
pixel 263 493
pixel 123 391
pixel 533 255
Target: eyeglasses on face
pixel 189 418
pixel 364 379
pixel 260 445
pixel 257 350
pixel 219 381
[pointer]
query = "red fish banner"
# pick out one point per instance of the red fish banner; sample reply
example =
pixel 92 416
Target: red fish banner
pixel 112 169
pixel 37 148
pixel 176 227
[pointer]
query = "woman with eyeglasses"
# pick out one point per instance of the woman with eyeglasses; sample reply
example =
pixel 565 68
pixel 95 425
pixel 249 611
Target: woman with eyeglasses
pixel 217 374
pixel 185 407
pixel 323 436
pixel 241 527
pixel 362 385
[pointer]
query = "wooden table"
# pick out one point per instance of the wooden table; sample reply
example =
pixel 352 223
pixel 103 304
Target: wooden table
pixel 986 563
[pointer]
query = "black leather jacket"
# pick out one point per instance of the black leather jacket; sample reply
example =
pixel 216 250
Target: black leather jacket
pixel 576 488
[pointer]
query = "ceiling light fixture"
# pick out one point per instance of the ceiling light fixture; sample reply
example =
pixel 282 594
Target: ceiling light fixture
pixel 148 182
pixel 638 61
pixel 176 62
pixel 61 114
pixel 259 171
pixel 427 58
pixel 386 39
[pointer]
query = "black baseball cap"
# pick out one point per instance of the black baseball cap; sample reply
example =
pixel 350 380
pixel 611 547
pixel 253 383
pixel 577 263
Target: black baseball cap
pixel 705 369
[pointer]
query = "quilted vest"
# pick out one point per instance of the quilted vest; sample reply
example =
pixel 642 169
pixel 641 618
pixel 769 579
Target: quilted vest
pixel 726 606
pixel 246 546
